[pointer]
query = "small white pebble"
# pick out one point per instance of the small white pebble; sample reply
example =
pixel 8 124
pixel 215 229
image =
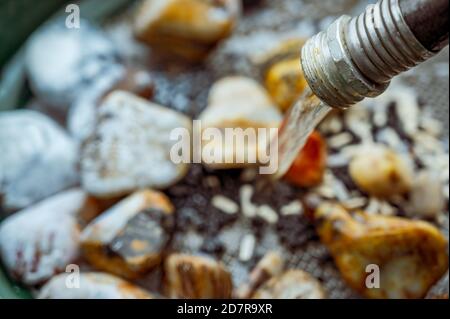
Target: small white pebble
pixel 428 142
pixel 390 137
pixel 353 150
pixel 332 125
pixel 358 121
pixel 247 247
pixel 340 140
pixel 363 131
pixel 357 202
pixel 387 209
pixel 380 116
pixel 373 207
pixel 293 208
pixel 408 111
pixel 225 204
pixel 337 160
pixel 248 208
pixel 341 190
pixel 431 126
pixel 336 125
pixel 426 199
pixel 325 191
pixel 268 214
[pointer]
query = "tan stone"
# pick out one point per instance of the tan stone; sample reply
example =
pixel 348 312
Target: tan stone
pixel 238 102
pixel 130 238
pixel 292 284
pixel 381 172
pixel 187 28
pixel 195 277
pixel 411 256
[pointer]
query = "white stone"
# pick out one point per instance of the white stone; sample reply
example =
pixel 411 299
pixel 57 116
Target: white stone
pixel 131 147
pixel 332 124
pixel 355 202
pixel 235 99
pixel 374 206
pixel 37 159
pixel 390 137
pixel 225 204
pixel 431 125
pixel 238 102
pixel 406 107
pixel 62 62
pixel 42 240
pixel 268 214
pixel 340 140
pixel 337 160
pixel 426 197
pixel 358 121
pixel 247 247
pixel 293 208
pixel 248 208
pixel 82 115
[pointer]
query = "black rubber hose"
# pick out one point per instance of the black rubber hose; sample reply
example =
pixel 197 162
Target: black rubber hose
pixel 428 20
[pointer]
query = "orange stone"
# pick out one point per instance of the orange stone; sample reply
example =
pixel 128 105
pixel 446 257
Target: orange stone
pixel 309 166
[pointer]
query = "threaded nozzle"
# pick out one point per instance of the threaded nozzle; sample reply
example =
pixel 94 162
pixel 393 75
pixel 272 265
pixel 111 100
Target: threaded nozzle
pixel 357 57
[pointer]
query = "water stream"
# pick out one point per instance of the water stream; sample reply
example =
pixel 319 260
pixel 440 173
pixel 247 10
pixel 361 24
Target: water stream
pixel 298 124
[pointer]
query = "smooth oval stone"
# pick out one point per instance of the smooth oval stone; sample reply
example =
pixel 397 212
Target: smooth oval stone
pixel 37 159
pixel 131 147
pixel 40 241
pixel 62 62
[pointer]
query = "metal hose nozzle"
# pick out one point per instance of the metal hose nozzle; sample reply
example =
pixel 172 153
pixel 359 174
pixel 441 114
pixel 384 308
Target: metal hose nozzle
pixel 357 57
